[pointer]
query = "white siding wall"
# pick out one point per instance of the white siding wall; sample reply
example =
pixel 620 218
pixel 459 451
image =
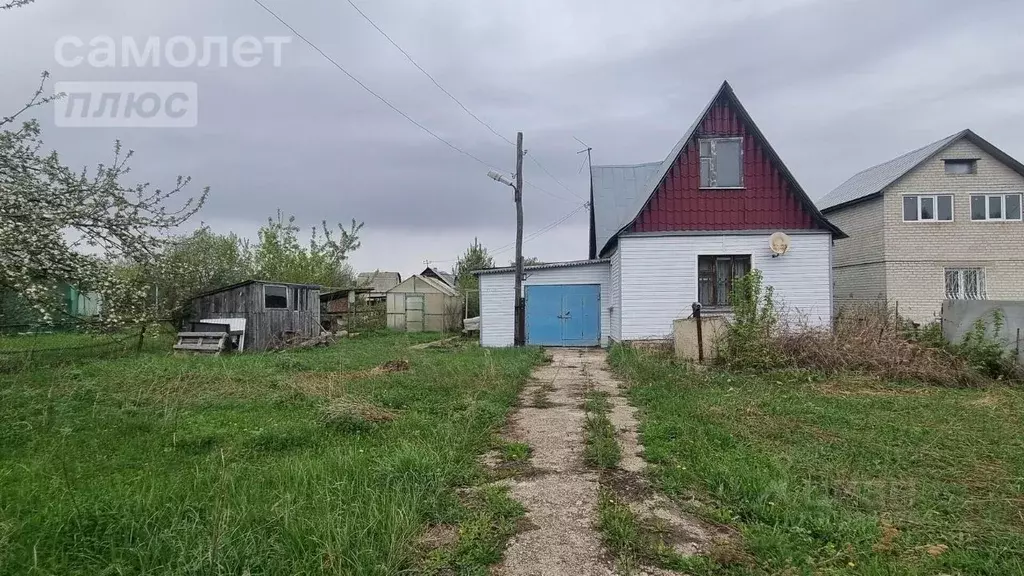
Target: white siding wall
pixel 497 298
pixel 614 305
pixel 659 277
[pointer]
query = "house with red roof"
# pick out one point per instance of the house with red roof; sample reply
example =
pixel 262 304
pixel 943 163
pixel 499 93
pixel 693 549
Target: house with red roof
pixel 667 234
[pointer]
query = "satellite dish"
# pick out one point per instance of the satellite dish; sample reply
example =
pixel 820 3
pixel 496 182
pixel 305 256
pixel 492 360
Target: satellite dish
pixel 779 243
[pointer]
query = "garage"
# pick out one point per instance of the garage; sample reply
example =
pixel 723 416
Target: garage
pixel 563 315
pixel 566 304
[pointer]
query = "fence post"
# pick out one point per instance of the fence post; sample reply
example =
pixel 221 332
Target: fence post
pixel 142 336
pixel 700 334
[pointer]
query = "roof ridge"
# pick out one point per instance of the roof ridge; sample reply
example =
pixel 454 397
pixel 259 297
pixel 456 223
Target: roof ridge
pixel 905 154
pixel 876 178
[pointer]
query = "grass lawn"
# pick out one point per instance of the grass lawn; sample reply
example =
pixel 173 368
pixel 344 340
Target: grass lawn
pixel 838 476
pixel 304 462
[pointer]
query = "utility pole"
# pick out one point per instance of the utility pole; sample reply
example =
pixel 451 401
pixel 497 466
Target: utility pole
pixel 519 307
pixel 519 337
pixel 587 150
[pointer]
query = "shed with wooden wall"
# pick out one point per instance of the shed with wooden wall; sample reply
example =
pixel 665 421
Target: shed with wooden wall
pixel 274 312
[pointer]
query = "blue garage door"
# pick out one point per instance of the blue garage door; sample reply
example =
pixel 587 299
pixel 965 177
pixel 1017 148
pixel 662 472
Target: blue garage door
pixel 563 315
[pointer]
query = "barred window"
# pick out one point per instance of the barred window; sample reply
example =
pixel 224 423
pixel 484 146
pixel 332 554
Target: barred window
pixel 716 276
pixel 965 283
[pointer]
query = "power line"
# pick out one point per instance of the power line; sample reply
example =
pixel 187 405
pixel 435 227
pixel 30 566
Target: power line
pixel 562 198
pixel 427 74
pixel 533 235
pixel 459 102
pixel 536 234
pixel 367 88
pixel 553 177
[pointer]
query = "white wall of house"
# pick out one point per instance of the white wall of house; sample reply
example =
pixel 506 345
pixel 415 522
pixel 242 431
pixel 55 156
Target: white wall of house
pixel 659 277
pixel 497 325
pixel 615 304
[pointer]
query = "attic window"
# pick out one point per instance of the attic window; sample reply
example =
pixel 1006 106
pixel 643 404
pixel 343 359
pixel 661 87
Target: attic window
pixel 721 162
pixel 966 166
pixel 275 297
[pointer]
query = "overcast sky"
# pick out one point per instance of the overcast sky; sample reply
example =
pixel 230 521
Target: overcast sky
pixel 835 85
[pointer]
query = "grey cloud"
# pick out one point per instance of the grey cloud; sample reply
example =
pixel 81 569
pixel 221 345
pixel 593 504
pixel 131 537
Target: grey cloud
pixel 836 86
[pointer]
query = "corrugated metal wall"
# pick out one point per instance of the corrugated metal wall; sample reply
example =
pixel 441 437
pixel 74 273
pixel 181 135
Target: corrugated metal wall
pixel 767 200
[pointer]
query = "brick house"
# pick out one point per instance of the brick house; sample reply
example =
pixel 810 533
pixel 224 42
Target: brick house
pixel 941 222
pixel 666 234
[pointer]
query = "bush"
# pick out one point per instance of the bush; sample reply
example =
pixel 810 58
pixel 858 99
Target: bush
pixel 987 354
pixel 871 340
pixel 748 342
pixel 876 342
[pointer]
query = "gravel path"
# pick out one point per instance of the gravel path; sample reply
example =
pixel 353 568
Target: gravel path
pixel 560 495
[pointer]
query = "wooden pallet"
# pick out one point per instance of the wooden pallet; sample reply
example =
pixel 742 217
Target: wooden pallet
pixel 205 342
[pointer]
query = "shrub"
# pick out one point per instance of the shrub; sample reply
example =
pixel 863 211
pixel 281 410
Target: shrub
pixel 875 341
pixel 987 354
pixel 872 340
pixel 748 341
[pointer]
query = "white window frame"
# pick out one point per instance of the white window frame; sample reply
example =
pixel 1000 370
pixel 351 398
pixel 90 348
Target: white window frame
pixel 935 204
pixel 962 272
pixel 1002 203
pixel 713 159
pixel 287 297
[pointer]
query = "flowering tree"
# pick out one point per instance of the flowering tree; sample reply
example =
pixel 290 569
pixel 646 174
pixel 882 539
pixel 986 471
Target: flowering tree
pixel 59 225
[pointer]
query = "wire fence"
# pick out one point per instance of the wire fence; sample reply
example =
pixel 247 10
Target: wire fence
pixel 25 347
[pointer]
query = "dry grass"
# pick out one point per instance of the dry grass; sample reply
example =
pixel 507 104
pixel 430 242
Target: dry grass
pixel 353 410
pixel 873 342
pixel 334 384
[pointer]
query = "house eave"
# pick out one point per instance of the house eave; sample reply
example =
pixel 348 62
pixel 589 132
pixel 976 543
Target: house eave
pixel 853 202
pixel 549 266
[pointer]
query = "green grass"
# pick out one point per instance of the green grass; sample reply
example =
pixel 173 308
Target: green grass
pixel 38 350
pixel 488 520
pixel 602 449
pixel 515 451
pixel 843 476
pixel 157 464
pixel 636 542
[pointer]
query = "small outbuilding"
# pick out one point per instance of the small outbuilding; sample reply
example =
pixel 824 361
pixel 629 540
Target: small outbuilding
pixel 271 313
pixel 379 282
pixel 424 304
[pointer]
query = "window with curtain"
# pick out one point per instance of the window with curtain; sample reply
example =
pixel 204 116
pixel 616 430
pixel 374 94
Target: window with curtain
pixel 716 276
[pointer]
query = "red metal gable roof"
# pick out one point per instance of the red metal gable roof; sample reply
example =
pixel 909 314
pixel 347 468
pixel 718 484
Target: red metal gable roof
pixel 770 199
pixel 766 201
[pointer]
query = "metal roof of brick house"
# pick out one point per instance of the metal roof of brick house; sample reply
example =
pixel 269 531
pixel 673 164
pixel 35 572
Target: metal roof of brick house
pixel 873 181
pixel 876 178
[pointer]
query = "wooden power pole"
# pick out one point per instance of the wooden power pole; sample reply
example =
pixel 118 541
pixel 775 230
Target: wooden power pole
pixel 519 337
